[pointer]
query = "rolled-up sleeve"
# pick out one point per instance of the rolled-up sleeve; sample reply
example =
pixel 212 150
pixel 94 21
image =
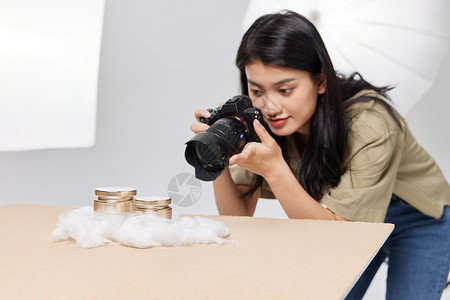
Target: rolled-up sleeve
pixel 241 176
pixel 365 189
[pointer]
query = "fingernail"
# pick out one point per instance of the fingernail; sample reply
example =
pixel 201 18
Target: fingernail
pixel 232 160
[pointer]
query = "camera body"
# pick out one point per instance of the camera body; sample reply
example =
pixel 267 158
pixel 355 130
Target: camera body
pixel 239 106
pixel 231 127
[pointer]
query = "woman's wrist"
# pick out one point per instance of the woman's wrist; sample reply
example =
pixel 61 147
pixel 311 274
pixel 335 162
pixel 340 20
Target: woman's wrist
pixel 279 172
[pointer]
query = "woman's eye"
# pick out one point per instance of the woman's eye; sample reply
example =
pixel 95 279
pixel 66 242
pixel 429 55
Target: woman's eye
pixel 256 92
pixel 285 91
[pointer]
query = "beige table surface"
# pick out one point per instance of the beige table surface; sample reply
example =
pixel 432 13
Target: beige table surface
pixel 268 259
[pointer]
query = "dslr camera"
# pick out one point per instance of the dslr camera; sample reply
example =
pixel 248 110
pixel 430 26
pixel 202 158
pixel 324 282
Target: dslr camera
pixel 231 127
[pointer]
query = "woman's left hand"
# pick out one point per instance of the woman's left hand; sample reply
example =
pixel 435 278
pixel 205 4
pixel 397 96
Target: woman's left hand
pixel 263 158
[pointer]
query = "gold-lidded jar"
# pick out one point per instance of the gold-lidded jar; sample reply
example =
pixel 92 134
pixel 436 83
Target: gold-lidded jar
pixel 114 199
pixel 155 205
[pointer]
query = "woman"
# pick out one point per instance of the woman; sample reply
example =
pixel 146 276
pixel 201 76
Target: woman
pixel 359 161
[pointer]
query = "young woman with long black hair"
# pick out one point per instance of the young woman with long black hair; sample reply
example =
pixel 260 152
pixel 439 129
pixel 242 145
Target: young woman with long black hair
pixel 335 149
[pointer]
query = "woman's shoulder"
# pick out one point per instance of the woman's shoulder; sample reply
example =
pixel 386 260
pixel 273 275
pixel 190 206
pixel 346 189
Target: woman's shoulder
pixel 370 111
pixel 374 133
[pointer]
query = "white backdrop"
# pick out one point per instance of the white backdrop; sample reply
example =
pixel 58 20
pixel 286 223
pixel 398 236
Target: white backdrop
pixel 160 60
pixel 49 58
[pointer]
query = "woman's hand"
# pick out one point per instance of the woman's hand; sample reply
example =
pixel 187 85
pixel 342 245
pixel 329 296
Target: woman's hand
pixel 199 127
pixel 265 158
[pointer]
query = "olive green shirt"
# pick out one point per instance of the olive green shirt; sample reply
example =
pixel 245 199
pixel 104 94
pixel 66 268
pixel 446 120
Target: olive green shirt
pixel 383 160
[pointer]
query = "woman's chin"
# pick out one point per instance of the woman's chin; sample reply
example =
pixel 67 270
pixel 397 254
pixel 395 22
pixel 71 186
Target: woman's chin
pixel 285 131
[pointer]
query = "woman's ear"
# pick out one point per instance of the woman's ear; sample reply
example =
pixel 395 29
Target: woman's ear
pixel 322 83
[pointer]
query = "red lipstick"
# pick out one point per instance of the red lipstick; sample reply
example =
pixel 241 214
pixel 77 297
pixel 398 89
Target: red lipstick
pixel 278 122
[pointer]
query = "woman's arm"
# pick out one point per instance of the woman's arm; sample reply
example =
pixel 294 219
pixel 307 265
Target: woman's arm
pixel 296 202
pixel 229 198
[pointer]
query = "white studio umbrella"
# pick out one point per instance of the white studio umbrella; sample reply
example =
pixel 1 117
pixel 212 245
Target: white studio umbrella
pixel 389 42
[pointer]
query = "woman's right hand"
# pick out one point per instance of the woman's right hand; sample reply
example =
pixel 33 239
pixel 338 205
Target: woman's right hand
pixel 200 127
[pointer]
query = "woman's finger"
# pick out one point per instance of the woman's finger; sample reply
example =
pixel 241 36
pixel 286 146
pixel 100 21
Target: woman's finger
pixel 202 113
pixel 199 127
pixel 263 134
pixel 244 155
pixel 233 160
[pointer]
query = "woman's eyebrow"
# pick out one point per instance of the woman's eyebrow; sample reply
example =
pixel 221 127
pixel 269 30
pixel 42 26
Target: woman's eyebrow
pixel 254 83
pixel 275 84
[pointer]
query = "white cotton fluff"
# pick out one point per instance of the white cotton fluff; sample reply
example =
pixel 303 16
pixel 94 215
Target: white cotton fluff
pixel 89 229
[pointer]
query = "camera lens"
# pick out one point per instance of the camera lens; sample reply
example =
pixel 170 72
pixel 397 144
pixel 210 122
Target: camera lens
pixel 209 154
pixel 209 151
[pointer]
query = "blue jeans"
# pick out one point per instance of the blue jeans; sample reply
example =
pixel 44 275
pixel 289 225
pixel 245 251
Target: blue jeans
pixel 418 253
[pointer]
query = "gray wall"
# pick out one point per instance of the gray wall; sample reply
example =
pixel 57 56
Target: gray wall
pixel 160 61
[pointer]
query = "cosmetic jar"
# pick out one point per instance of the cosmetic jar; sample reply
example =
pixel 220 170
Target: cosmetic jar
pixel 114 199
pixel 155 205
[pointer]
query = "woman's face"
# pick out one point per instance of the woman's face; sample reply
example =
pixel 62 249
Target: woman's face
pixel 287 97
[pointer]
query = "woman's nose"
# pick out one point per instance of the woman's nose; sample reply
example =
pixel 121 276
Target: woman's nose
pixel 271 107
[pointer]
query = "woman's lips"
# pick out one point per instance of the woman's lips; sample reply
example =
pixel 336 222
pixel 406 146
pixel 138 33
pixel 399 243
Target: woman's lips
pixel 278 122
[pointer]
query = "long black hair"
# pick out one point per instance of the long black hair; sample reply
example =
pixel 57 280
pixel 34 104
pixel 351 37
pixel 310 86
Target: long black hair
pixel 288 39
